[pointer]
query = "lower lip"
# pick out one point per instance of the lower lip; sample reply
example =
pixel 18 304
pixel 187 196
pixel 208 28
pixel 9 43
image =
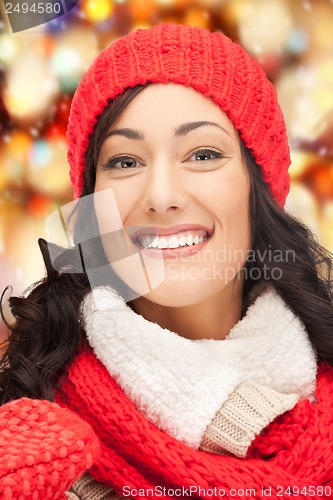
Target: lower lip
pixel 172 253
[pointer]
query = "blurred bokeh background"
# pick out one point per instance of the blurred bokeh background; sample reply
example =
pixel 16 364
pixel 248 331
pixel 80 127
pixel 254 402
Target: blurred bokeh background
pixel 40 69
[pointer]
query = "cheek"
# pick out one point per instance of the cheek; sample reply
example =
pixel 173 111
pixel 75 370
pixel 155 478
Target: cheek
pixel 229 198
pixel 114 199
pixel 239 216
pixel 231 210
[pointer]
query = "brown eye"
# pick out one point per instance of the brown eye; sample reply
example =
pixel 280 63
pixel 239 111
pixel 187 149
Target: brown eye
pixel 122 163
pixel 203 155
pixel 128 163
pixel 206 154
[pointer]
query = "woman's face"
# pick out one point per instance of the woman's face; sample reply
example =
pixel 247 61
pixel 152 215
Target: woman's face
pixel 172 164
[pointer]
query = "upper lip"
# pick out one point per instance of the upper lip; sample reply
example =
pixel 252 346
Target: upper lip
pixel 165 231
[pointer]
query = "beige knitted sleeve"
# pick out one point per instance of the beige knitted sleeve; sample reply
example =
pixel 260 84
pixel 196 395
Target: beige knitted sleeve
pixel 249 409
pixel 86 488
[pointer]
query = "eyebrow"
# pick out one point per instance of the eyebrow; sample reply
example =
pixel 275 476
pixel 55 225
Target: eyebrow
pixel 181 130
pixel 185 128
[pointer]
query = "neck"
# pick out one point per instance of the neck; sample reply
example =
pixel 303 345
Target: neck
pixel 213 318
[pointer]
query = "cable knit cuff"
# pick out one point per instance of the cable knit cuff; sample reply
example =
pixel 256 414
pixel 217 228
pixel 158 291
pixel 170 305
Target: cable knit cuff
pixel 248 410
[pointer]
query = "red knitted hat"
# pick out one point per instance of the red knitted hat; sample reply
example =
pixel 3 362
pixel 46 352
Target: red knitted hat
pixel 208 62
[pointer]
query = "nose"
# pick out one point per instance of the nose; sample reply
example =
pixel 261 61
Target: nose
pixel 164 189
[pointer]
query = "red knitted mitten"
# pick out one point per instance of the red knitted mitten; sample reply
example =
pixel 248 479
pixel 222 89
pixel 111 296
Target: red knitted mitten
pixel 44 449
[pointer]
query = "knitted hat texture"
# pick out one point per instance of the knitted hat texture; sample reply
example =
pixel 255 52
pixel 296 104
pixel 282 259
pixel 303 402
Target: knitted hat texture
pixel 208 62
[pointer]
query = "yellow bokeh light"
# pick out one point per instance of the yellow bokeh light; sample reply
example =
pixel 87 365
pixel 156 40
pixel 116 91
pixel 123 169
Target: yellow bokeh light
pixel 8 48
pixel 266 28
pixel 30 89
pixel 237 11
pixel 97 11
pixel 197 17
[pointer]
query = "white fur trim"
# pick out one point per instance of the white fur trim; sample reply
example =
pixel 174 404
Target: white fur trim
pixel 175 382
pixel 180 384
pixel 273 347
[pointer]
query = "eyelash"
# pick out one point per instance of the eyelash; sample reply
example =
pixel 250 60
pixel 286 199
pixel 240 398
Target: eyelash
pixel 113 161
pixel 218 154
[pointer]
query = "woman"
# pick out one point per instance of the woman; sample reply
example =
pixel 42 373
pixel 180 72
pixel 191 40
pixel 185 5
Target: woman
pixel 200 363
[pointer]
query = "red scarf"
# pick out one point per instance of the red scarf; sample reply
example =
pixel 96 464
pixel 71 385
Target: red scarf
pixel 295 451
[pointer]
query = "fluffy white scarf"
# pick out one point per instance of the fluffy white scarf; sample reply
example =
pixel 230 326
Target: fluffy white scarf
pixel 180 384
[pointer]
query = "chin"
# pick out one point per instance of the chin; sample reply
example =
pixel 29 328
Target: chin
pixel 180 296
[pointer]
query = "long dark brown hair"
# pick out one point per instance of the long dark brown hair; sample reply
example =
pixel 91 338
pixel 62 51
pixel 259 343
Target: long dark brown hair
pixel 47 332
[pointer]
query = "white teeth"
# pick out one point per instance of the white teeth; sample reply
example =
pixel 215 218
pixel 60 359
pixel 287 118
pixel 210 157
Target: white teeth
pixel 174 241
pixel 182 241
pixel 163 242
pixel 189 239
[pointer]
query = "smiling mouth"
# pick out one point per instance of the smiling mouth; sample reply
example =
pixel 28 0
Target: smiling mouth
pixel 181 239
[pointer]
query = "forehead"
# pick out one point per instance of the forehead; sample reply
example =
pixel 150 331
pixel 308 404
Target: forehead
pixel 162 105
